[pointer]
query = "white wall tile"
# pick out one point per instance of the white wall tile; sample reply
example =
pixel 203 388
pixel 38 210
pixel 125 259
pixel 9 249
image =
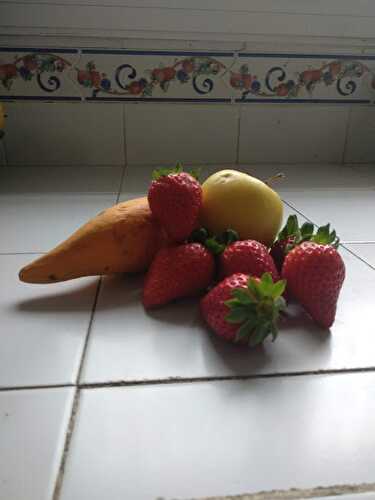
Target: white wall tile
pixel 367 172
pixel 222 438
pixel 49 179
pixel 360 145
pixel 295 133
pixel 32 433
pixel 182 132
pixel 65 134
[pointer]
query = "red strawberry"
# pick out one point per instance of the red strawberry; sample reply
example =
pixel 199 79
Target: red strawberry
pixel 176 272
pixel 249 257
pixel 292 235
pixel 175 200
pixel 315 274
pixel 243 308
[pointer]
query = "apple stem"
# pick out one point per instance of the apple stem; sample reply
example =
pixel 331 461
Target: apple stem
pixel 277 177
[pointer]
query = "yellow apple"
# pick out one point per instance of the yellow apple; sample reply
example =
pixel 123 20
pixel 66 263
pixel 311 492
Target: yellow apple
pixel 236 200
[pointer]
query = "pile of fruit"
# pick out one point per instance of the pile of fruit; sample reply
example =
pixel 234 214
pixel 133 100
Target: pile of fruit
pixel 219 241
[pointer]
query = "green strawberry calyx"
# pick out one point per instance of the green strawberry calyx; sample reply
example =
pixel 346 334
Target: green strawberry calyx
pixel 325 236
pixel 298 234
pixel 216 244
pixel 257 309
pixel 164 171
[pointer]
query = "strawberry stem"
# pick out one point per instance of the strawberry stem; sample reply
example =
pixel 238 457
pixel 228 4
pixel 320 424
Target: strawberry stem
pixel 216 244
pixel 275 178
pixel 298 234
pixel 163 171
pixel 257 309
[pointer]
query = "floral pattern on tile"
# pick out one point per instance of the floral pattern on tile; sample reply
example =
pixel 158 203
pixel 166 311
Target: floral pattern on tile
pixel 344 75
pixel 186 76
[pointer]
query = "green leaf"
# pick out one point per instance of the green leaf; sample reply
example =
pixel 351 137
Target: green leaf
pixel 307 229
pixel 292 224
pixel 254 289
pixel 237 315
pixel 278 289
pixel 242 295
pixel 199 235
pixel 178 168
pixel 266 284
pixel 214 246
pixel 290 228
pixel 195 172
pixel 280 304
pixel 274 332
pixel 259 334
pixel 230 236
pixel 160 172
pixel 232 303
pixel 246 329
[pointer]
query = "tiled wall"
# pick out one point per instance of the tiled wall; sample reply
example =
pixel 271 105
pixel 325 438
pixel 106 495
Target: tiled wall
pixel 188 76
pixel 108 107
pixel 114 133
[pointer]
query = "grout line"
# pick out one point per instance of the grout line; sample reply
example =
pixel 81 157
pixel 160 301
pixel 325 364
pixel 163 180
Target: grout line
pixel 296 210
pixel 184 380
pixel 75 406
pixel 342 244
pixel 22 253
pixel 88 331
pixel 238 135
pixel 346 135
pixel 121 184
pixel 35 387
pixel 125 144
pixel 357 256
pixel 349 242
pixel 299 494
pixel 63 165
pixel 68 438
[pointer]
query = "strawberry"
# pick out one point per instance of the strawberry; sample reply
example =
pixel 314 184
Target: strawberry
pixel 292 235
pixel 315 274
pixel 243 308
pixel 249 257
pixel 178 271
pixel 175 199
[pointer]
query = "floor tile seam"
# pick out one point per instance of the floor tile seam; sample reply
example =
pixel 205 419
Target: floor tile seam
pixel 58 193
pixel 64 166
pixel 300 493
pixel 185 380
pixel 67 442
pixel 22 253
pixel 358 256
pixel 177 380
pixel 341 243
pixel 88 332
pixel 122 179
pixel 16 388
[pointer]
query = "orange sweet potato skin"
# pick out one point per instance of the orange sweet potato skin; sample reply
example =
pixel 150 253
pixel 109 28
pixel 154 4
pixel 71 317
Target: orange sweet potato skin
pixel 121 239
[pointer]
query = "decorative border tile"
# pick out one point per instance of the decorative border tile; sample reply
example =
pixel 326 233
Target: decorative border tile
pixel 183 76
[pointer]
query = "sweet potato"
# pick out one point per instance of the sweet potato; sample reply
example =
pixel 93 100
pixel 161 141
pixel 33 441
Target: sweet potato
pixel 123 238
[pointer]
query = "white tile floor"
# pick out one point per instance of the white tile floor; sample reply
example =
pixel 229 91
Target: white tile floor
pixel 161 437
